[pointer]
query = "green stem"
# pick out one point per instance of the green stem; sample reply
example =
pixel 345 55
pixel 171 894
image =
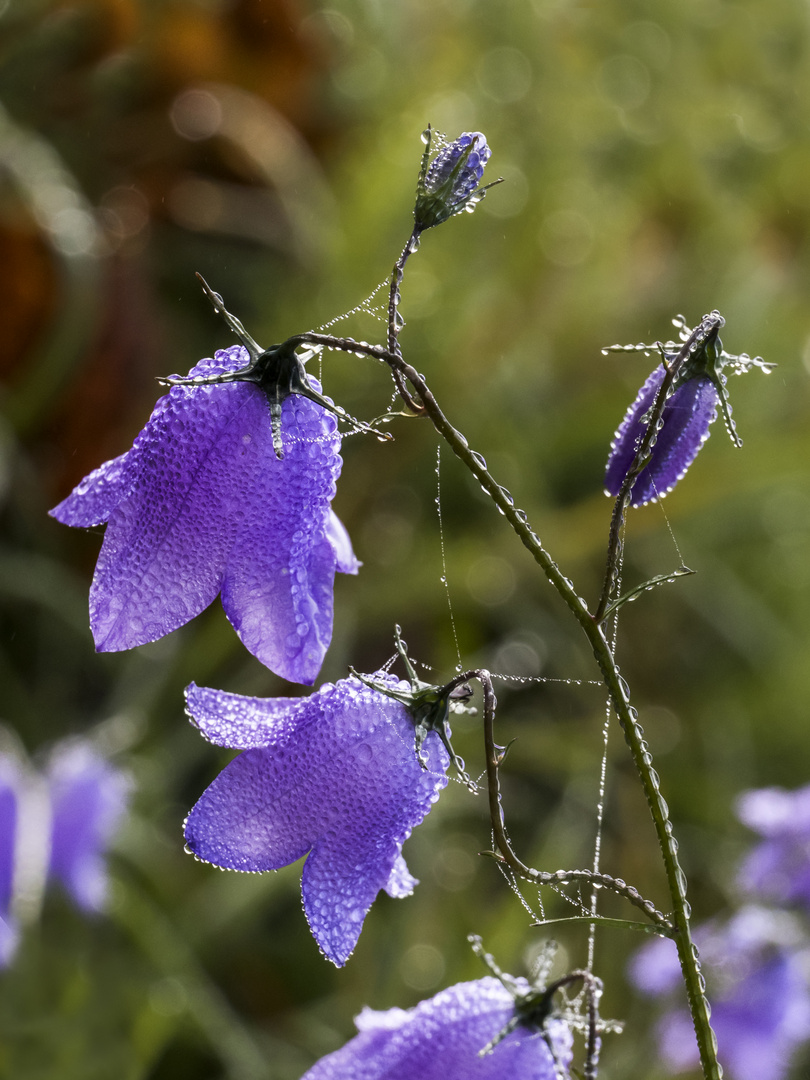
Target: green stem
pixel 616 687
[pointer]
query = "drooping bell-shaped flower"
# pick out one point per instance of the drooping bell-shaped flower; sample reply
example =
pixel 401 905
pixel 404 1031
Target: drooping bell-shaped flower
pixel 756 970
pixel 685 409
pixel 11 779
pixel 778 869
pixel 334 776
pixel 55 827
pixel 451 182
pixel 227 490
pixel 442 1039
pixel 88 798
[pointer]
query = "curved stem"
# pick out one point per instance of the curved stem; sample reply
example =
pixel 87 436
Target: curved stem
pixel 616 687
pixel 507 854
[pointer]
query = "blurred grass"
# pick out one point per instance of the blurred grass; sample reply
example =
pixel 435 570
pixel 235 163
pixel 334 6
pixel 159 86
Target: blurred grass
pixel 656 161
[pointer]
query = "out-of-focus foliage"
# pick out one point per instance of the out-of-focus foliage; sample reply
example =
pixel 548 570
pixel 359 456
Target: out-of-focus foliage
pixel 656 160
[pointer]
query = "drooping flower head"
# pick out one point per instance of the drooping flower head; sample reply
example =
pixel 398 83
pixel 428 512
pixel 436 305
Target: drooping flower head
pixel 451 182
pixel 778 869
pixel 88 798
pixel 55 826
pixel 11 779
pixel 693 384
pixel 756 970
pixel 333 776
pixel 442 1039
pixel 227 490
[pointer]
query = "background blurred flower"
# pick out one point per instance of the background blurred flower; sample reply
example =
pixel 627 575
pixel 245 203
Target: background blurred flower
pixel 55 826
pixel 10 780
pixel 334 775
pixel 88 799
pixel 441 1038
pixel 756 968
pixel 778 869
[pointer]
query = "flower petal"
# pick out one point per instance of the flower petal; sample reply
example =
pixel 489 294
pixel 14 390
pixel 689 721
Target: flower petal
pixel 253 816
pixel 278 585
pixel 168 539
pixel 687 417
pixel 347 561
pixel 630 432
pixel 401 882
pixel 239 722
pixel 95 498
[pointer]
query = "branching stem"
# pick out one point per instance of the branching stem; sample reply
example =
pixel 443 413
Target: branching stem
pixel 616 686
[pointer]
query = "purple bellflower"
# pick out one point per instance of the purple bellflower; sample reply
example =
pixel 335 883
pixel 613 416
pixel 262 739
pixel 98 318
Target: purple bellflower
pixel 11 778
pixel 778 869
pixel 342 776
pixel 756 969
pixel 451 182
pixel 88 799
pixel 55 827
pixel 690 407
pixel 443 1039
pixel 227 490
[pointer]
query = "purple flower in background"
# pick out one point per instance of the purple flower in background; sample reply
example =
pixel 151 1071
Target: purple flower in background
pixel 88 799
pixel 441 1039
pixel 778 869
pixel 697 390
pixel 55 826
pixel 333 776
pixel 758 987
pixel 204 504
pixel 11 778
pixel 450 183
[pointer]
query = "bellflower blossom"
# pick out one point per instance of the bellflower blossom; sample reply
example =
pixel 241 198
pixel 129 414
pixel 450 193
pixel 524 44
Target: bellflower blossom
pixel 88 798
pixel 334 776
pixel 451 182
pixel 758 987
pixel 221 494
pixel 442 1039
pixel 55 827
pixel 778 869
pixel 11 778
pixel 698 389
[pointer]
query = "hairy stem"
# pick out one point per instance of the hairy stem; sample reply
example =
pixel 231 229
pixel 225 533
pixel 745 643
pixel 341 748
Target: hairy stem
pixel 395 322
pixel 616 686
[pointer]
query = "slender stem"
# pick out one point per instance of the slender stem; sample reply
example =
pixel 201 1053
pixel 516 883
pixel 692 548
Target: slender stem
pixel 615 684
pixel 395 322
pixel 592 992
pixel 620 699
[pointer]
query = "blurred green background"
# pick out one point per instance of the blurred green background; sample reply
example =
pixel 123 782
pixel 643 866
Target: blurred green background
pixel 657 160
